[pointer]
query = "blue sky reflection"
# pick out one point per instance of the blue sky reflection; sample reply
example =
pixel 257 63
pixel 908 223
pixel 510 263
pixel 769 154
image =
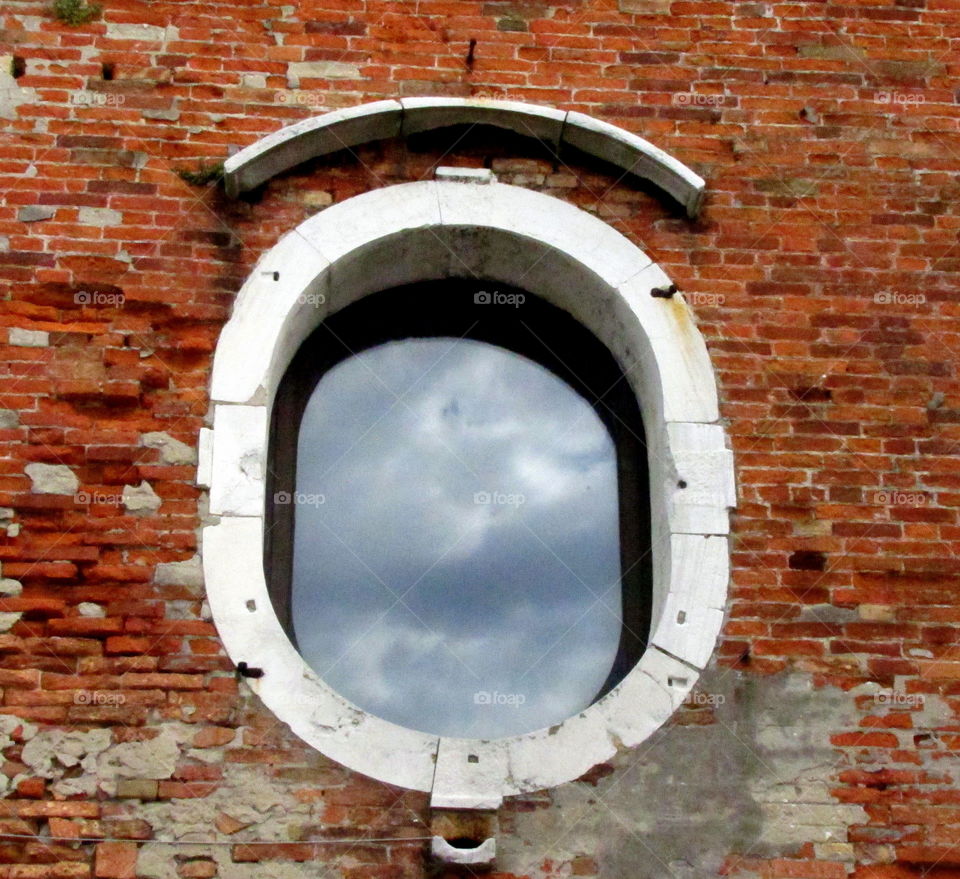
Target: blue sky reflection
pixel 457 522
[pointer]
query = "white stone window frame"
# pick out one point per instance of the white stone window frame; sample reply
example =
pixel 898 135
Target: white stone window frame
pixel 436 229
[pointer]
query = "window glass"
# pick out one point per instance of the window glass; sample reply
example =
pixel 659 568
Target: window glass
pixel 456 556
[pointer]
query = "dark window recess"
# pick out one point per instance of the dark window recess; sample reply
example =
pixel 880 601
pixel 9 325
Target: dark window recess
pixel 457 525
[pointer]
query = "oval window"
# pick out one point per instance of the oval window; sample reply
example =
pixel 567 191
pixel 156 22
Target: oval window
pixel 457 524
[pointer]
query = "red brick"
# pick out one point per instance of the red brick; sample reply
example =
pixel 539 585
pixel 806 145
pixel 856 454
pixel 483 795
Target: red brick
pixel 116 860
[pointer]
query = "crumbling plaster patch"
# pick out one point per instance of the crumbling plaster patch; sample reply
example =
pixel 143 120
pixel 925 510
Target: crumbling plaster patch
pixel 153 758
pixel 755 781
pixel 12 727
pixel 158 862
pixel 54 753
pixel 246 795
pixel 58 754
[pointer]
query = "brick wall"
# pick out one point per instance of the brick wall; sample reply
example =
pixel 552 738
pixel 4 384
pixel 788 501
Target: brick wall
pixel 823 275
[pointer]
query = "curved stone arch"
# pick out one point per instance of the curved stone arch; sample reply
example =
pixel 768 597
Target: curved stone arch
pixel 349 127
pixel 442 229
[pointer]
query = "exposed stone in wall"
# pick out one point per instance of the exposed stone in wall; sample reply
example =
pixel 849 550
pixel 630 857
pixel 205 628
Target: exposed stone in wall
pixel 52 478
pixel 53 753
pixel 172 451
pixel 35 213
pixel 12 729
pixel 140 498
pixel 7 621
pixel 89 609
pixel 186 573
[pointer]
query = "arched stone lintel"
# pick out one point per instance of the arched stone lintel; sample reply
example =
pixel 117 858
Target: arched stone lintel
pixel 353 126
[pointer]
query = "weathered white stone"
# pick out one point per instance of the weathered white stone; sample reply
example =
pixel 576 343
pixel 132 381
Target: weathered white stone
pixel 233 570
pixel 299 70
pixel 485 853
pixel 9 620
pixel 172 451
pixel 655 689
pixel 627 715
pixel 692 614
pixel 50 753
pixel 204 457
pixel 276 292
pixel 316 199
pixel 312 137
pixel 9 418
pixel 10 587
pixel 29 338
pixel 703 489
pixel 307 139
pixel 644 7
pixel 33 213
pixel 465 175
pixel 89 609
pixel 185 573
pixel 677 351
pixel 141 498
pixel 469 774
pixel 239 459
pixel 141 32
pixel 51 478
pixel 557 225
pixel 100 217
pixel 171 114
pixel 636 155
pixel 9 724
pixel 530 120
